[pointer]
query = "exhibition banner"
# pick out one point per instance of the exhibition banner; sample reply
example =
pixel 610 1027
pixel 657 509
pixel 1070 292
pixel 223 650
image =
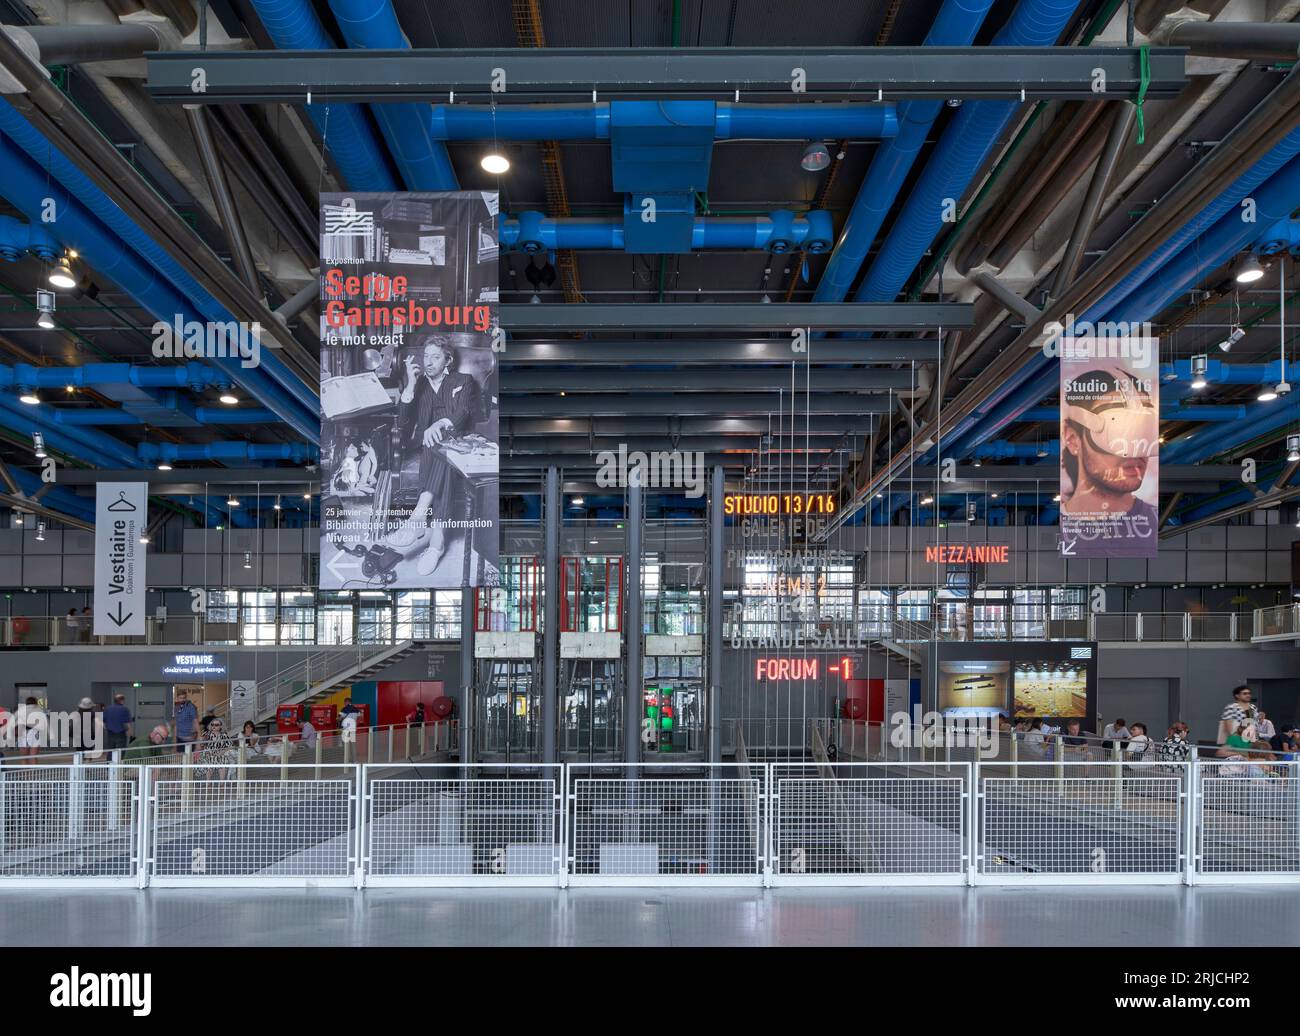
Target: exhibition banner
pixel 121 514
pixel 1110 447
pixel 409 402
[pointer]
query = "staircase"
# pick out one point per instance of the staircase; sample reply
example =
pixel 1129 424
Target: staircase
pixel 324 671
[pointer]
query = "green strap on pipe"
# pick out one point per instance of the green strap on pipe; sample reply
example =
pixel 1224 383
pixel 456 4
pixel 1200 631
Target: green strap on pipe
pixel 1144 53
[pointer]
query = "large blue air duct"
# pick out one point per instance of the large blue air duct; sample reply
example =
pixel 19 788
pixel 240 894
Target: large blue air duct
pixel 966 144
pixel 27 187
pixel 298 453
pixel 781 232
pixel 48 161
pixel 730 121
pixel 18 238
pixel 422 160
pixel 956 25
pixel 97 448
pixel 345 128
pixel 1000 449
pixel 59 498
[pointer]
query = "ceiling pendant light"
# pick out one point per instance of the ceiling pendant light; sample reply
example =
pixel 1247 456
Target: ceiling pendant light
pixel 62 276
pixel 816 157
pixel 164 466
pixel 495 163
pixel 38 446
pixel 229 398
pixel 1250 271
pixel 1199 365
pixel 1293 448
pixel 28 396
pixel 44 309
pixel 40 532
pixel 232 500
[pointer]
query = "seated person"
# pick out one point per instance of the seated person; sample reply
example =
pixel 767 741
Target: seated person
pixel 1073 740
pixel 437 404
pixel 1138 743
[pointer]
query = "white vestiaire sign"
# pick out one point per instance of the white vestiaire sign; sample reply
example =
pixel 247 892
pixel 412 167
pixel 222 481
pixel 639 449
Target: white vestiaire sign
pixel 121 511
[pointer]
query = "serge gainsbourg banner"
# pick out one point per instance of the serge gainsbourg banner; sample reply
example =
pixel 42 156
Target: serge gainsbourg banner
pixel 1110 447
pixel 409 422
pixel 121 510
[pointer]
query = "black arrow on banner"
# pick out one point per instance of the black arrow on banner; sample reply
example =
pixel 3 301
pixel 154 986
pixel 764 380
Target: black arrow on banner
pixel 119 618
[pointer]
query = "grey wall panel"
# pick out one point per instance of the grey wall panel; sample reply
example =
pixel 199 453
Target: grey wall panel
pixel 1279 566
pixel 1282 536
pixel 42 571
pixel 1212 537
pixel 1167 568
pixel 165 570
pixel 1247 566
pixel 1126 570
pixel 79 570
pixel 78 541
pixel 50 543
pixel 1206 566
pixel 1247 537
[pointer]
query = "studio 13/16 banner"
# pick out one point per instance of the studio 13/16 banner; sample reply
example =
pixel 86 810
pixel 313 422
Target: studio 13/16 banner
pixel 1110 447
pixel 409 415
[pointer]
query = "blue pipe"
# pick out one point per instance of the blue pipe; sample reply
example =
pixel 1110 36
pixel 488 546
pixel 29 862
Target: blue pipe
pixel 1168 412
pixel 1000 449
pixel 196 376
pixel 730 121
pixel 344 128
pixel 422 161
pixel 1283 236
pixel 27 187
pixel 966 144
pixel 17 238
pixel 299 453
pixel 1218 372
pixel 781 232
pixel 956 24
pixel 59 498
pixel 98 448
pixel 45 157
pixel 1275 416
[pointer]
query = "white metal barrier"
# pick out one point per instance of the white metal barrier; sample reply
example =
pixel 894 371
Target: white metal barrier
pixel 1247 822
pixel 666 823
pixel 449 825
pixel 268 826
pixel 869 824
pixel 66 825
pixel 1102 823
pixel 937 821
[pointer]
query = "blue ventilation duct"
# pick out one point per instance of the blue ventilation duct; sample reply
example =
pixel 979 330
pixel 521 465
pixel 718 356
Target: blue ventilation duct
pixel 18 238
pixel 956 25
pixel 345 128
pixel 781 232
pixel 730 121
pixel 422 160
pixel 27 188
pixel 83 201
pixel 95 447
pixel 298 453
pixel 59 498
pixel 963 149
pixel 999 449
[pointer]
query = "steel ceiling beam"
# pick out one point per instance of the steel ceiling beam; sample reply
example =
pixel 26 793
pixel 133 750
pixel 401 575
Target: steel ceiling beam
pixel 581 462
pixel 163 481
pixel 693 317
pixel 708 379
pixel 716 351
pixel 692 404
pixel 674 425
pixel 1044 472
pixel 558 74
pixel 518 445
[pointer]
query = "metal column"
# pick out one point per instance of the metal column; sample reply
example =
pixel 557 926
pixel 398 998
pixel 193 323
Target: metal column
pixel 551 518
pixel 716 529
pixel 632 624
pixel 466 675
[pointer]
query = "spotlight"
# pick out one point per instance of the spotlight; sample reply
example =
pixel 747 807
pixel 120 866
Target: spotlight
pixel 69 388
pixel 40 532
pixel 18 517
pixel 815 157
pixel 277 503
pixel 495 163
pixel 577 501
pixel 229 398
pixel 219 527
pixel 993 495
pixel 977 463
pixel 248 559
pixel 307 495
pixel 164 466
pixel 144 537
pixel 1293 448
pixel 28 396
pixel 232 500
pixel 927 500
pixel 1056 499
pixel 1199 365
pixel 38 445
pixel 45 301
pixel 1250 271
pixel 1267 394
pixel 62 276
pixel 1235 336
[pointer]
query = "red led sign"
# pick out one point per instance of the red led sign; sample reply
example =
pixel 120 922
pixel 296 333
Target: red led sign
pixel 800 668
pixel 968 554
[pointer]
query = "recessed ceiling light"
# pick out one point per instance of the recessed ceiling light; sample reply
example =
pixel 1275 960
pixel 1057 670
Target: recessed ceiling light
pixel 495 163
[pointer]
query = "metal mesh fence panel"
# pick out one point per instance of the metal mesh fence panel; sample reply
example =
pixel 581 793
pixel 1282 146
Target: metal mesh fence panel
pixel 1116 822
pixel 1249 818
pixel 846 820
pixel 68 822
pixel 448 822
pixel 252 829
pixel 668 823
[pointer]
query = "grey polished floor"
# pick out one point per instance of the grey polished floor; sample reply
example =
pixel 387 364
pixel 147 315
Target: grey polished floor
pixel 1160 916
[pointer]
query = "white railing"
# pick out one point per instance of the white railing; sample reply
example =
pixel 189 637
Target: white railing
pixel 971 822
pixel 1279 623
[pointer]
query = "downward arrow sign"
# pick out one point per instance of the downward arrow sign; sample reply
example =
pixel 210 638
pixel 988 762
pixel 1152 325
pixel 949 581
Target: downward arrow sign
pixel 119 618
pixel 1067 548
